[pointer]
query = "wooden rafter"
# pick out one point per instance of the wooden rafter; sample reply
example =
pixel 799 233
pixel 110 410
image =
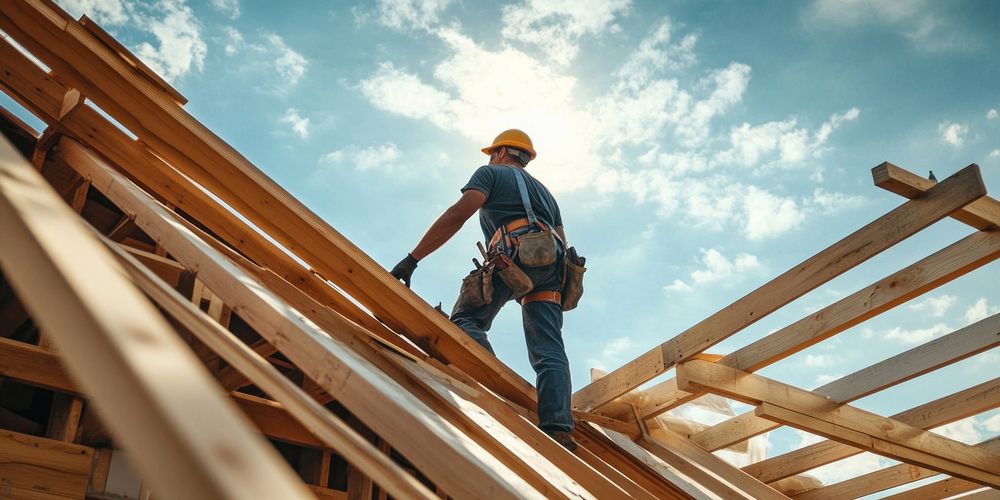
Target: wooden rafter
pixel 938 202
pixel 85 63
pixel 819 415
pixel 118 346
pixel 951 348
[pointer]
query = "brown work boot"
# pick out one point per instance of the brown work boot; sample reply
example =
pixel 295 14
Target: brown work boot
pixel 564 438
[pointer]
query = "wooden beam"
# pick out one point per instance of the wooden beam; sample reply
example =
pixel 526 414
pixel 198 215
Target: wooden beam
pixel 981 214
pixel 150 170
pixel 883 479
pixel 521 445
pixel 736 479
pixel 950 195
pixel 64 417
pixel 166 269
pixel 688 486
pixel 444 453
pixel 972 401
pixel 960 258
pixel 29 85
pixel 332 431
pixel 34 365
pixel 937 453
pixel 33 465
pixel 119 89
pixel 952 348
pixel 944 488
pixel 801 408
pixel 117 346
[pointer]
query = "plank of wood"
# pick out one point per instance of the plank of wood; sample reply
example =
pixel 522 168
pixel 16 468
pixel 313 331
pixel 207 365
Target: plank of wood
pixel 85 63
pixel 117 346
pixel 962 257
pixel 951 348
pixel 883 479
pixel 965 403
pixel 130 58
pixel 99 470
pixel 524 447
pixel 844 421
pixel 166 269
pixel 64 417
pixel 944 488
pixel 981 214
pixel 937 457
pixel 332 432
pixel 951 194
pixel 687 485
pixel 737 480
pixel 444 453
pixel 32 364
pixel 43 465
pixel 41 95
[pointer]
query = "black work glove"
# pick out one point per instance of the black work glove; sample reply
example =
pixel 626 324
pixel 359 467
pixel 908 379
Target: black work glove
pixel 404 270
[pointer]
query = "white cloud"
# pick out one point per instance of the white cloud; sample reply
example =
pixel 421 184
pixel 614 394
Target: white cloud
pixel 556 26
pixel 936 306
pixel 780 144
pixel 991 114
pixel 228 7
pixel 962 430
pixel 612 352
pixel 589 144
pixel 849 468
pixel 105 12
pixel 953 133
pixel 178 34
pixel 819 360
pixel 372 157
pixel 927 24
pixel 268 60
pixel 917 336
pixel 404 94
pixel 234 40
pixel 299 124
pixel 410 14
pixel 995 153
pixel 992 424
pixel 768 214
pixel 290 65
pixel 829 203
pixel 980 311
pixel 717 268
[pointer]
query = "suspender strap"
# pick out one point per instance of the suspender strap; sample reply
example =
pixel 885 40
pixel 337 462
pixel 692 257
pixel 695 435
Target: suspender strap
pixel 545 296
pixel 523 188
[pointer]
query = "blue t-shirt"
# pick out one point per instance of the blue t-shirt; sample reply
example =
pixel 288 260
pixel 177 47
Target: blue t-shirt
pixel 503 200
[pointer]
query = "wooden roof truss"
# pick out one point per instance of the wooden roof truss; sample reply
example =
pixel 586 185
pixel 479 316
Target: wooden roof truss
pixel 152 271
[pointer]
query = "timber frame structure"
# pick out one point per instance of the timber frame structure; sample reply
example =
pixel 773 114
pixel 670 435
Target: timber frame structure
pixel 142 308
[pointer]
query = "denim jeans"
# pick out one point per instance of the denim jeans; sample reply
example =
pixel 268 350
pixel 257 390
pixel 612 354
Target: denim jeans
pixel 543 335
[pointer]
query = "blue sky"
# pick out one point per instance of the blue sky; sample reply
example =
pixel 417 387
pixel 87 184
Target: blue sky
pixel 697 149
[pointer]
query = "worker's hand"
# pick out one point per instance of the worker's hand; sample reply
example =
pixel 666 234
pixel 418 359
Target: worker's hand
pixel 404 270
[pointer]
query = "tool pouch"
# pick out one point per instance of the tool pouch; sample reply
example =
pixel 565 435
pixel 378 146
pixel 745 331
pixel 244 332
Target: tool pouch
pixel 477 289
pixel 573 285
pixel 537 249
pixel 518 282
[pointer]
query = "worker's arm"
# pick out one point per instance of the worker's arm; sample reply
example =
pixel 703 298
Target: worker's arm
pixel 562 235
pixel 449 223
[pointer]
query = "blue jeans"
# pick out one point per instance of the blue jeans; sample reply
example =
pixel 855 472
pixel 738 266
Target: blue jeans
pixel 543 335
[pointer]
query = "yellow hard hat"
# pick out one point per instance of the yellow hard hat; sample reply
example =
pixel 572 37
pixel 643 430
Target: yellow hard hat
pixel 514 138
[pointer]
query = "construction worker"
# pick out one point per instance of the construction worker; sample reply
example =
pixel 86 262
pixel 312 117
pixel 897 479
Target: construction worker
pixel 495 190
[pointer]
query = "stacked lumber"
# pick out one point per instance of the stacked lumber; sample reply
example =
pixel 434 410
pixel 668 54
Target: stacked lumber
pixel 163 302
